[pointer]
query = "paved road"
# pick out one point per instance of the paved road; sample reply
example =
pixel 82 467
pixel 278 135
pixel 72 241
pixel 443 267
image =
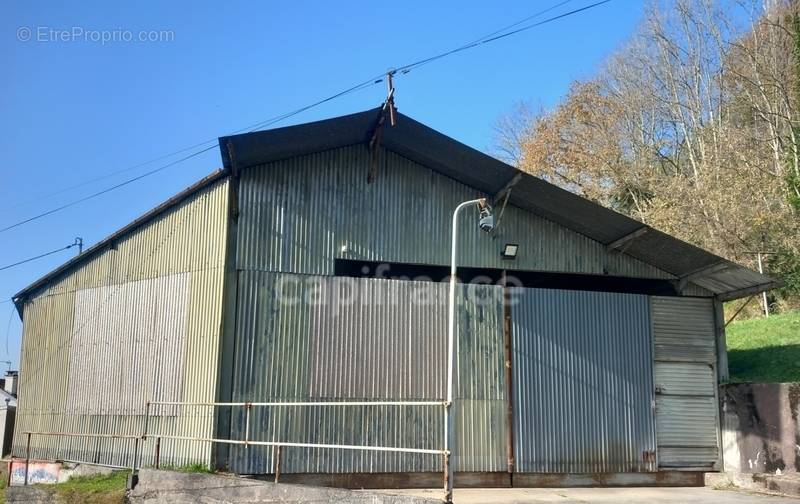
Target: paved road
pixel 600 496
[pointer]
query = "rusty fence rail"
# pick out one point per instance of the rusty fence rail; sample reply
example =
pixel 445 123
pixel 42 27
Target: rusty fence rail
pixel 28 434
pixel 280 445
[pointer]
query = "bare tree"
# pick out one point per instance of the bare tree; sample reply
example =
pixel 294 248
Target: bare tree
pixel 690 127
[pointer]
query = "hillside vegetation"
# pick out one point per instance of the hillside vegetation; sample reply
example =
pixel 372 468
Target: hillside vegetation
pixel 765 349
pixel 692 127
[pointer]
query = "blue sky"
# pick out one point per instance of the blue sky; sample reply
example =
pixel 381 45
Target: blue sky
pixel 73 110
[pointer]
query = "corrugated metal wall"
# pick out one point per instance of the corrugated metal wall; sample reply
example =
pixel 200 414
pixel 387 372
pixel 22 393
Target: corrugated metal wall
pixel 316 338
pixel 95 340
pixel 583 388
pixel 298 213
pixel 127 334
pixel 685 378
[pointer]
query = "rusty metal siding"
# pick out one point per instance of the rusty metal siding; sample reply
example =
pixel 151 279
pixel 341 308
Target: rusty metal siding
pixel 170 272
pixel 317 338
pixel 297 214
pixel 583 388
pixel 685 380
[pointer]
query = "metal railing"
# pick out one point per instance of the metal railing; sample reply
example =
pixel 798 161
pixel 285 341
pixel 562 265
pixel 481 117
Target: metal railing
pixel 28 434
pixel 280 445
pixel 140 439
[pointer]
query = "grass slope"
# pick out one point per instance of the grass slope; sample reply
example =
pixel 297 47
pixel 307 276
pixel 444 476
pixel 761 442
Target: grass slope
pixel 765 349
pixel 101 489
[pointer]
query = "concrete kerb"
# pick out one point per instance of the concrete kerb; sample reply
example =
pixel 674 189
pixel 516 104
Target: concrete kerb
pixel 169 487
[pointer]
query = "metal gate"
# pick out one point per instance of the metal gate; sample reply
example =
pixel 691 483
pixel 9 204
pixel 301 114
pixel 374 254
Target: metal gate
pixel 685 380
pixel 583 382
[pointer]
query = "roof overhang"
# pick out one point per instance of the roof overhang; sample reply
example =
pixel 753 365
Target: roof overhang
pixel 414 140
pixel 493 177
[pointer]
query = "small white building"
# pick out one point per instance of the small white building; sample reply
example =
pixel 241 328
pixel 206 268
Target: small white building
pixel 8 409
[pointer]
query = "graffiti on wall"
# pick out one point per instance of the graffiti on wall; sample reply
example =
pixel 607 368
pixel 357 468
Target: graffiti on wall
pixel 38 472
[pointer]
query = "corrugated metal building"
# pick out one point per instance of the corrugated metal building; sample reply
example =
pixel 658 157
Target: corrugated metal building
pixel 602 357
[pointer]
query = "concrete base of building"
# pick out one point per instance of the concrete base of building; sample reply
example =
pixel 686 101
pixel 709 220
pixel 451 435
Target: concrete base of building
pixel 494 480
pixel 170 487
pixel 777 484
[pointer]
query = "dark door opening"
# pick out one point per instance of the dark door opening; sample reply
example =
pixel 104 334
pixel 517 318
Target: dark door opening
pixel 516 278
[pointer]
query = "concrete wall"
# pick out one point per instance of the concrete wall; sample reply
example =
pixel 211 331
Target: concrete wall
pixel 761 427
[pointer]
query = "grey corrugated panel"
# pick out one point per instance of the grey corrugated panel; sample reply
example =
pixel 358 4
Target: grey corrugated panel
pixel 687 458
pixel 684 378
pixel 142 278
pixel 683 329
pixel 296 215
pixel 380 346
pixel 685 355
pixel 132 333
pixel 582 382
pixel 686 421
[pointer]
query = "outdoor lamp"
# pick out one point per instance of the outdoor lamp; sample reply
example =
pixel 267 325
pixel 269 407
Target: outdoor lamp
pixel 510 251
pixel 486 218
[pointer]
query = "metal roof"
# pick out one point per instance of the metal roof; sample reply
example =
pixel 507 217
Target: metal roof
pixel 471 167
pixel 460 162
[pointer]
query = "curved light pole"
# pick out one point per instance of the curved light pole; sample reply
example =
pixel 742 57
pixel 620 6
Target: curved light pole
pixel 486 223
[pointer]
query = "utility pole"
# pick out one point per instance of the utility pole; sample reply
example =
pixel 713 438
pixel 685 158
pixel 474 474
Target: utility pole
pixel 760 259
pixel 79 243
pixel 763 294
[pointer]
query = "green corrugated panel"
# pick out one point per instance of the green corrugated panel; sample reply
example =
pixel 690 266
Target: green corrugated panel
pixel 187 241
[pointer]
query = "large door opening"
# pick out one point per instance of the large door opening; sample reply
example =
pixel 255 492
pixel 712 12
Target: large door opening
pixel 583 386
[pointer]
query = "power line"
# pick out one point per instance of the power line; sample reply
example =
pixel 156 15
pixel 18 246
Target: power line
pixel 267 122
pixel 74 244
pixel 104 191
pixel 512 25
pixel 214 140
pixel 109 175
pixel 375 80
pixel 493 37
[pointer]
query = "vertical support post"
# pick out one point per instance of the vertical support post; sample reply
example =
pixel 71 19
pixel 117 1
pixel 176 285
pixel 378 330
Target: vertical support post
pixel 720 340
pixel 158 452
pixel 135 455
pixel 763 294
pixel 27 456
pixel 146 429
pixel 146 418
pixel 390 98
pixel 247 424
pixel 448 484
pixel 278 458
pixel 509 376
